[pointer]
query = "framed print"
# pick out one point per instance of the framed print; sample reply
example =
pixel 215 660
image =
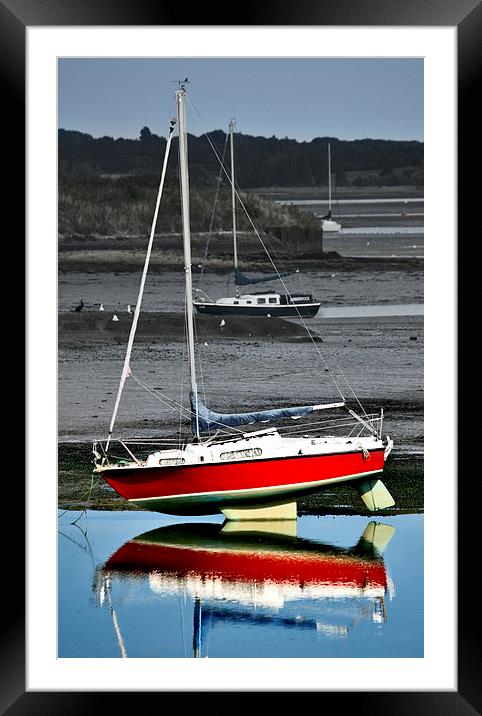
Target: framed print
pixel 46 664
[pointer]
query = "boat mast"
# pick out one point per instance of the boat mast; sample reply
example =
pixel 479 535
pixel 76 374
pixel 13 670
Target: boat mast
pixel 233 202
pixel 186 232
pixel 329 181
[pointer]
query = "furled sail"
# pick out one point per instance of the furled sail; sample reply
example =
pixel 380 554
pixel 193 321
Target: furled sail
pixel 242 280
pixel 207 419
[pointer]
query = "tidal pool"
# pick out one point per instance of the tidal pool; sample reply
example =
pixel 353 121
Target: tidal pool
pixel 139 584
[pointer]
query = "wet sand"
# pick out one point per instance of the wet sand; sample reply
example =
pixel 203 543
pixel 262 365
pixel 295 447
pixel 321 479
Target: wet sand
pixel 80 329
pixel 243 365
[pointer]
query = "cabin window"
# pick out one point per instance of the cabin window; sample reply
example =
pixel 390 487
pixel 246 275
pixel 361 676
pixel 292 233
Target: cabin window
pixel 249 302
pixel 261 300
pixel 172 461
pixel 273 300
pixel 236 302
pixel 238 454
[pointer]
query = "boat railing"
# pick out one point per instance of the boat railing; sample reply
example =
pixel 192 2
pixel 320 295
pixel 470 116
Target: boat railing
pixel 204 296
pixel 137 449
pixel 355 427
pixel 142 447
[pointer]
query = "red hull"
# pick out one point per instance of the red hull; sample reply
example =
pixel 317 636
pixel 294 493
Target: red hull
pixel 223 483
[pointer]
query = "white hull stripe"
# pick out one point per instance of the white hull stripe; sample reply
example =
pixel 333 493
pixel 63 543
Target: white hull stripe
pixel 278 489
pixel 262 307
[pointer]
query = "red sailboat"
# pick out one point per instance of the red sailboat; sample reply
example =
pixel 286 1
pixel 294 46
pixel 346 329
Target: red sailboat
pixel 227 468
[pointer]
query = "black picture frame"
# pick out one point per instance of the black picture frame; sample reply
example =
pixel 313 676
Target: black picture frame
pixel 15 17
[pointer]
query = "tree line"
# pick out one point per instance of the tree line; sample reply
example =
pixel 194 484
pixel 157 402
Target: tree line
pixel 260 161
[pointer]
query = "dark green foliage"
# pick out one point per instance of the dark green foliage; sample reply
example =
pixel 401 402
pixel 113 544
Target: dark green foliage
pixel 260 161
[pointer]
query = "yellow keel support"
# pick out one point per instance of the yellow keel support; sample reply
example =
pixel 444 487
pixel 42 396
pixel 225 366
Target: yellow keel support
pixel 286 511
pixel 285 528
pixel 375 495
pixel 378 535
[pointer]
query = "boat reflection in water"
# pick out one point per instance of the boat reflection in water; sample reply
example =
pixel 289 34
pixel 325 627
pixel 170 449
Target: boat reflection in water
pixel 251 572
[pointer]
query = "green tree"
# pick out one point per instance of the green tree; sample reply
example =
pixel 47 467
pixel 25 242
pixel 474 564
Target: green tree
pixel 145 134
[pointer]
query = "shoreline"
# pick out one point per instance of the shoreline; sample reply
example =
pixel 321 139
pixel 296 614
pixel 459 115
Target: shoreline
pixel 79 488
pixel 112 258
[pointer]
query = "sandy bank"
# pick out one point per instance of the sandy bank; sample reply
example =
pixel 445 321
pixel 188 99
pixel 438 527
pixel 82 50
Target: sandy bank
pixel 125 260
pixel 99 327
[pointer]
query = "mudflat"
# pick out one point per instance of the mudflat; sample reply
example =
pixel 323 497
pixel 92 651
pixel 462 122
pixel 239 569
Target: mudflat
pixel 246 364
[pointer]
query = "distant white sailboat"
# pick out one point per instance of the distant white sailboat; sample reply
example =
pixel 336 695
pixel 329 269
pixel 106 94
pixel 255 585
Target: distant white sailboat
pixel 328 224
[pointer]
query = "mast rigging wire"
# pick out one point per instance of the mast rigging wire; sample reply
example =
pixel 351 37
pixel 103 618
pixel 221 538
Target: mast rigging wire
pixel 322 358
pixel 126 368
pixel 213 212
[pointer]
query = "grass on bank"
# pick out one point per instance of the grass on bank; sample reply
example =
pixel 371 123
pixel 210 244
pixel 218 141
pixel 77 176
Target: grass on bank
pixel 125 205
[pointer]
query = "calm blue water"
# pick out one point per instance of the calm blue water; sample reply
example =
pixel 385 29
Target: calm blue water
pixel 141 584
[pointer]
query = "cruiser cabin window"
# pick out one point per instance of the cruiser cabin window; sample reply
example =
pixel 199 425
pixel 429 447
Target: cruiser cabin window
pixel 238 454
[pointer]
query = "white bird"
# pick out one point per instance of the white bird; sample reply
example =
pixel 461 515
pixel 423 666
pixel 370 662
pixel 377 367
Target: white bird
pixel 223 322
pixel 129 308
pixel 101 307
pixel 114 318
pixel 268 315
pixel 333 275
pixel 368 243
pixel 205 343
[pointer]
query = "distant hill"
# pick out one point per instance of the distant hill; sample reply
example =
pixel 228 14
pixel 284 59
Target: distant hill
pixel 260 161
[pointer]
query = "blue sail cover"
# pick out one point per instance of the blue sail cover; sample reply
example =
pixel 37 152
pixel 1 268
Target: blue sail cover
pixel 208 419
pixel 242 280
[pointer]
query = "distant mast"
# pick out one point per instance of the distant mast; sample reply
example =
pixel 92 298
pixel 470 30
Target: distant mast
pixel 233 202
pixel 328 224
pixel 329 181
pixel 186 231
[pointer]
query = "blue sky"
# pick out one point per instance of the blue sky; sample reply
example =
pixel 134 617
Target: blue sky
pixel 296 98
